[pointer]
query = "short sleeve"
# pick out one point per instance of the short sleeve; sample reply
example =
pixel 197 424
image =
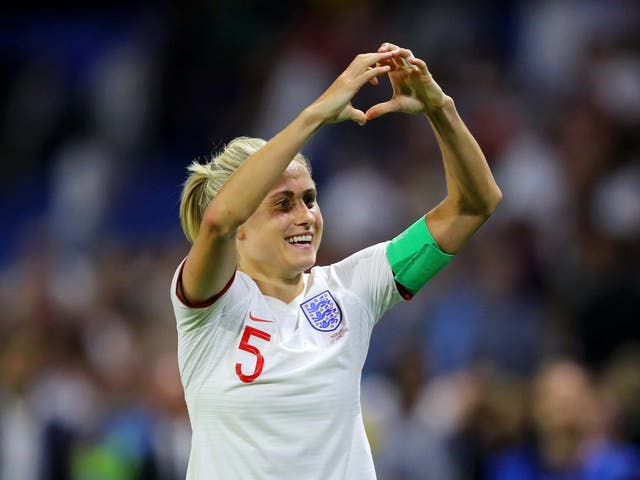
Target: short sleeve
pixel 368 275
pixel 193 316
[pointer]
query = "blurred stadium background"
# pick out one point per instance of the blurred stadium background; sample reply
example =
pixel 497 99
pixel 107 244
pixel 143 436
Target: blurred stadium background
pixel 519 361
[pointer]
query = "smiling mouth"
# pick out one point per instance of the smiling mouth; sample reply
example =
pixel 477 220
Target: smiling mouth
pixel 300 241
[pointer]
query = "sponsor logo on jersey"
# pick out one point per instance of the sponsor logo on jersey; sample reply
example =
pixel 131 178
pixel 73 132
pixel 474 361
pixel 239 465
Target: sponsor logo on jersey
pixel 322 312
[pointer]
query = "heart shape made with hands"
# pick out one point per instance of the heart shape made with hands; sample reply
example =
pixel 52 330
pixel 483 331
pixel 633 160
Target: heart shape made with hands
pixel 414 89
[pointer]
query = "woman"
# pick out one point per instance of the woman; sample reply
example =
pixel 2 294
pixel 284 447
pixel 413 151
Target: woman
pixel 270 356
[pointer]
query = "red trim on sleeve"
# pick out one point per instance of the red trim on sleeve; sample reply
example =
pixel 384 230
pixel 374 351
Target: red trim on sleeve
pixel 406 294
pixel 206 303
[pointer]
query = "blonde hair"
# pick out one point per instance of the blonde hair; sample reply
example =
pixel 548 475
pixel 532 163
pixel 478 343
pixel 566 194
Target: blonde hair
pixel 205 180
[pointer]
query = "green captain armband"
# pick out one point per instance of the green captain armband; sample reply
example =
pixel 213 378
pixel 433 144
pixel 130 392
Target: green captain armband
pixel 415 257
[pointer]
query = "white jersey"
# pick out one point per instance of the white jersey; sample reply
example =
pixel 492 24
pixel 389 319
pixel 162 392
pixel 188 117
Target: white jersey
pixel 273 389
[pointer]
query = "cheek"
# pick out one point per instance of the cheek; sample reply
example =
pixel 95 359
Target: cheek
pixel 319 221
pixel 268 232
pixel 255 232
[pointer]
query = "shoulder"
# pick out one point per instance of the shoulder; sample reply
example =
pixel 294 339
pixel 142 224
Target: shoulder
pixel 376 253
pixel 240 292
pixel 358 272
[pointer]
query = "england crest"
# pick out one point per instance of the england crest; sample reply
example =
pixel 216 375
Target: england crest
pixel 322 312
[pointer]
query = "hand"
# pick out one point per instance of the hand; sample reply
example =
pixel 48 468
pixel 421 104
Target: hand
pixel 334 105
pixel 414 89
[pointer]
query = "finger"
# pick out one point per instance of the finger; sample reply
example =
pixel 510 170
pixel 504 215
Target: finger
pixel 374 80
pixel 389 62
pixel 387 46
pixel 381 109
pixel 385 61
pixel 422 66
pixel 403 57
pixel 400 59
pixel 405 53
pixel 357 116
pixel 373 72
pixel 398 62
pixel 369 59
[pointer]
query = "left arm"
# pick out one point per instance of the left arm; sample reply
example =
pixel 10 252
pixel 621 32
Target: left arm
pixel 472 193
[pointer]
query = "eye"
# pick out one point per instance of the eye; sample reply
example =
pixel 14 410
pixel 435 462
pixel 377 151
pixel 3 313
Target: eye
pixel 284 204
pixel 310 200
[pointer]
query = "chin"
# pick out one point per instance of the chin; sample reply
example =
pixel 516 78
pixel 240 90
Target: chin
pixel 300 260
pixel 304 265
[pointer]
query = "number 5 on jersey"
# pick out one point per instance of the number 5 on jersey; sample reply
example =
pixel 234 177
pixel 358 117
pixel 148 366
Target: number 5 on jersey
pixel 252 349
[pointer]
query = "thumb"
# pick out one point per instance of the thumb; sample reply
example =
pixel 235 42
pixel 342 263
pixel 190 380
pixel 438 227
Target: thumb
pixel 381 109
pixel 356 115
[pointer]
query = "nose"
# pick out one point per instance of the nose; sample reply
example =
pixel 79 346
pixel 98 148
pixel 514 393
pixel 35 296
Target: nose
pixel 304 215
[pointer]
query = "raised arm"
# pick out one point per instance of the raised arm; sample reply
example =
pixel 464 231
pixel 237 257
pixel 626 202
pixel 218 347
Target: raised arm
pixel 472 193
pixel 212 259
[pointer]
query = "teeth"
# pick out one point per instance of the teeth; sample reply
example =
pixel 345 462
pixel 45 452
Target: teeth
pixel 300 238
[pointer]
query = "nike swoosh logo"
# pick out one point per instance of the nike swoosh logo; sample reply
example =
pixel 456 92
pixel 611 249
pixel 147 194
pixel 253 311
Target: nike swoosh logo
pixel 256 319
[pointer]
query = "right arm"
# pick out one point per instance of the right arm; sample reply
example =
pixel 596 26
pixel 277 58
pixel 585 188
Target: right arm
pixel 212 259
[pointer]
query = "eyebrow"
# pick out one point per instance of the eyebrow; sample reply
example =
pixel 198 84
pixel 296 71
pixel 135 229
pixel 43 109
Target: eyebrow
pixel 290 194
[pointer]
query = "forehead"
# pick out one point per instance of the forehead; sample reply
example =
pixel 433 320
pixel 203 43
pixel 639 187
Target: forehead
pixel 295 178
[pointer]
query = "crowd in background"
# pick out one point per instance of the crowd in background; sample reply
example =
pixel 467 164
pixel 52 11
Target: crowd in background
pixel 520 361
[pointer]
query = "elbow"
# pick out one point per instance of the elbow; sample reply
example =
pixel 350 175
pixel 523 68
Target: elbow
pixel 493 201
pixel 483 206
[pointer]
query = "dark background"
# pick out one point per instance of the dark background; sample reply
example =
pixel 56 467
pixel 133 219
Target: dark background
pixel 519 361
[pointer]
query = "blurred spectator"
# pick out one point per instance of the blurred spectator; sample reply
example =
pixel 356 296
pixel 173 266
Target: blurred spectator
pixel 411 423
pixel 494 315
pixel 620 391
pixel 99 115
pixel 571 435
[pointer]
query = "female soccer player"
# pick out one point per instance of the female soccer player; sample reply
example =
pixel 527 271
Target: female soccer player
pixel 270 356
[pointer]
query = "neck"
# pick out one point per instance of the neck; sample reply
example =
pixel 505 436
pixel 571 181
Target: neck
pixel 284 289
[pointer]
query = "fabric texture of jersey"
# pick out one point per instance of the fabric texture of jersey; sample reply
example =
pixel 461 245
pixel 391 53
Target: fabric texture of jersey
pixel 273 389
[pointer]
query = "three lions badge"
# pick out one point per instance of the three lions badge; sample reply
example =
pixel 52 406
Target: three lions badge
pixel 322 312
